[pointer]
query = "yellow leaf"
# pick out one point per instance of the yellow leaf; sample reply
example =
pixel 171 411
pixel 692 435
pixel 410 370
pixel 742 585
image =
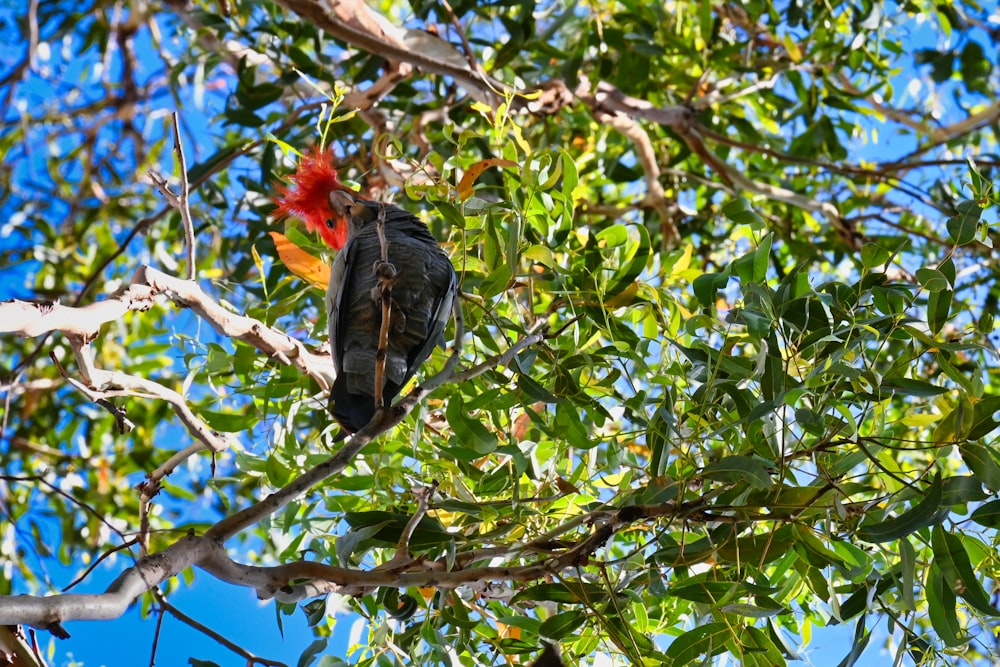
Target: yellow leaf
pixel 260 269
pixel 623 298
pixel 792 48
pixel 311 269
pixel 505 631
pixel 475 171
pixel 683 262
pixel 920 419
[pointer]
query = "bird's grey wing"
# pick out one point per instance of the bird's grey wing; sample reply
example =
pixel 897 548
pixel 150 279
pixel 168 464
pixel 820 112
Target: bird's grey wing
pixel 340 271
pixel 440 314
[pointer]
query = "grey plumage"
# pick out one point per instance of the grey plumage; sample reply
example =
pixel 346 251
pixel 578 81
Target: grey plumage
pixel 422 298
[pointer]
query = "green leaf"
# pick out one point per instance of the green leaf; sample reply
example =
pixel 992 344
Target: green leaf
pixel 278 474
pixel 919 516
pixel 911 387
pixel 984 417
pixel 941 609
pixel 938 309
pixel 751 611
pixel 613 236
pixel 451 214
pixel 636 258
pixel 908 569
pixel 861 638
pixel 983 464
pixel 741 211
pixel 388 528
pixel 707 592
pixel 228 422
pixel 988 514
pixel 562 625
pixel 565 593
pixel 952 560
pixel 975 67
pixel 534 391
pixel 962 227
pixel 469 431
pixel 735 469
pixel 658 440
pixel 314 649
pixel 707 286
pixel 762 258
pixel 700 643
pixel 262 94
pixel 496 282
pixel 957 424
pixel 874 255
pixel 932 280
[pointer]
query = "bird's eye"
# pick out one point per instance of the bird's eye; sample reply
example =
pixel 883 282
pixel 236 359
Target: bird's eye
pixel 329 224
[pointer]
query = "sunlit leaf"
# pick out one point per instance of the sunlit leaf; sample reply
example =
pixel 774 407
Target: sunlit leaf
pixel 918 516
pixel 473 172
pixel 311 269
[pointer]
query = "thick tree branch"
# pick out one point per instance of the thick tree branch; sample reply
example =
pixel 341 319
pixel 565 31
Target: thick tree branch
pixel 82 324
pixel 30 319
pixel 355 23
pixel 207 551
pixel 104 384
pixel 33 319
pixel 209 554
pixel 272 342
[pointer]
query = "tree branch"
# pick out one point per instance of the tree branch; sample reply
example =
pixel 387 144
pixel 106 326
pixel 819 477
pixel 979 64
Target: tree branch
pixel 207 551
pixel 183 205
pixel 355 23
pixel 272 342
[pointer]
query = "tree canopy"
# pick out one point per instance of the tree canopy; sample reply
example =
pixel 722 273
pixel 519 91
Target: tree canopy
pixel 725 373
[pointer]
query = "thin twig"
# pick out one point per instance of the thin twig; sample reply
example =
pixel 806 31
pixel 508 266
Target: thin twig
pixel 123 423
pixel 470 55
pixel 32 32
pixel 104 384
pixel 147 490
pixel 8 395
pixel 501 359
pixel 184 206
pixel 232 646
pixel 156 637
pixel 423 495
pixel 385 273
pixel 175 460
pixel 41 480
pixel 112 550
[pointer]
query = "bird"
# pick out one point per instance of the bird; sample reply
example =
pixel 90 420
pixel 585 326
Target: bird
pixel 549 657
pixel 420 274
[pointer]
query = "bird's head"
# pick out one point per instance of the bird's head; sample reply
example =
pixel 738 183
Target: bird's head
pixel 308 197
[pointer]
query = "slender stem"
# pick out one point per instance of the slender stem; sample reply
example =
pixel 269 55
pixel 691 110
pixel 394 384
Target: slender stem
pixel 386 275
pixel 232 646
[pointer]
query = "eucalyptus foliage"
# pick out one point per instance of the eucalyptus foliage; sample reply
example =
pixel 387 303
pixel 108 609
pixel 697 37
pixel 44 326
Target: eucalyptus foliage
pixel 765 398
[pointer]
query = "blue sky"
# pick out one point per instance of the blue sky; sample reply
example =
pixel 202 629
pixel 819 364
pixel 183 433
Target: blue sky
pixel 233 612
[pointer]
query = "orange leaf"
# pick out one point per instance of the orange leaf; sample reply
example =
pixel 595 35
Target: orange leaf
pixel 508 631
pixel 311 269
pixel 476 170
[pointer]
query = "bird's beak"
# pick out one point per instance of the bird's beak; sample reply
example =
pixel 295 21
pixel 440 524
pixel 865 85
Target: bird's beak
pixel 344 204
